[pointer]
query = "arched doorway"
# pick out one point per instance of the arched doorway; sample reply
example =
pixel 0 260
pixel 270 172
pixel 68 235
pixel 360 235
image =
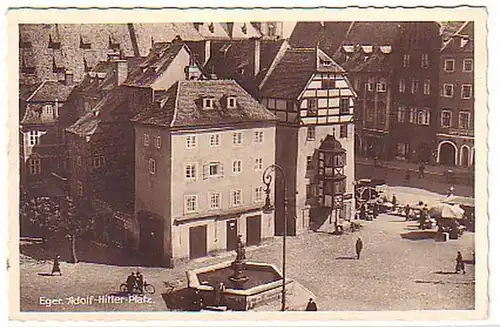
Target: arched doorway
pixel 464 156
pixel 447 153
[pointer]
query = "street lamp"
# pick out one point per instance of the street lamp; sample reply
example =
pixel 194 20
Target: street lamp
pixel 267 179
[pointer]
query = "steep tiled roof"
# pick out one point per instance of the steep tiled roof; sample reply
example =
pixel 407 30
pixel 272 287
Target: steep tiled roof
pixel 327 35
pixel 183 106
pixel 155 64
pixel 454 44
pixel 291 74
pixel 50 91
pixel 374 33
pixel 372 63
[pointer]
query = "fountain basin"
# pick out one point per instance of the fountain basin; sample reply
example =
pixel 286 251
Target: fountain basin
pixel 264 284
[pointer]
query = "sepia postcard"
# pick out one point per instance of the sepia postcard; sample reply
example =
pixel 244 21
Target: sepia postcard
pixel 238 165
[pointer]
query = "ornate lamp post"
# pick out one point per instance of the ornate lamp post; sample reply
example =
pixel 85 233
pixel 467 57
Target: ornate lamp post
pixel 267 179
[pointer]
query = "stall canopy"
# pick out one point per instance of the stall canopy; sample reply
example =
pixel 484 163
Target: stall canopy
pixel 460 200
pixel 444 210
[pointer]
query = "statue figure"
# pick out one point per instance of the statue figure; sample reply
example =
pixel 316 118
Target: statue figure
pixel 240 250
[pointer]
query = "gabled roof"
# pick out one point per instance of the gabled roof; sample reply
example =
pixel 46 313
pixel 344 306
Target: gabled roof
pixel 158 60
pixel 182 106
pixel 50 91
pixel 289 76
pixel 327 35
pixel 454 44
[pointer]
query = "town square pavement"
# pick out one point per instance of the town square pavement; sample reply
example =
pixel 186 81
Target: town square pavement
pixel 401 268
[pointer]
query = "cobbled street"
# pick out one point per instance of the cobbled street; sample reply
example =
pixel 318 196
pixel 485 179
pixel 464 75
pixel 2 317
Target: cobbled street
pixel 401 268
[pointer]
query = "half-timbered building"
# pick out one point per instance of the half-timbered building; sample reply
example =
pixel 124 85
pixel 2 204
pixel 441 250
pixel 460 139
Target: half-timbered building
pixel 313 99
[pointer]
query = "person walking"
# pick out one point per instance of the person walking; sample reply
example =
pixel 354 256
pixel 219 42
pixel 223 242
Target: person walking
pixel 407 212
pixel 311 305
pixel 139 281
pixel 460 266
pixel 421 171
pixel 407 175
pixel 55 267
pixel 359 247
pixel 394 202
pixel 131 280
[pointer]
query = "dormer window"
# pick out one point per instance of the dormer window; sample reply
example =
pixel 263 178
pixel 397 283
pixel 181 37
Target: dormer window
pixel 386 49
pixel 84 43
pixel 208 103
pixel 231 102
pixel 54 44
pixel 367 49
pixel 325 63
pixel 348 48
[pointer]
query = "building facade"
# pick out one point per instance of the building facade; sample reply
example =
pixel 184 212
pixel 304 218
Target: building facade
pixel 313 100
pixel 199 161
pixel 455 138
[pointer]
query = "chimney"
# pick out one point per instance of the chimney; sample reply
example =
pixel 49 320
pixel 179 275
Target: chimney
pixel 257 56
pixel 68 78
pixel 208 48
pixel 121 71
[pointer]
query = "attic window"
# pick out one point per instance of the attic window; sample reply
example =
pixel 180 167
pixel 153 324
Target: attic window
pixel 463 42
pixel 208 103
pixel 231 102
pixel 348 48
pixel 386 49
pixel 113 43
pixel 84 43
pixel 325 62
pixel 24 44
pixel 54 44
pixel 367 48
pixel 57 64
pixel 211 27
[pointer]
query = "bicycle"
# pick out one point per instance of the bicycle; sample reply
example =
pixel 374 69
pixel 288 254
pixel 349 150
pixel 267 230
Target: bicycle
pixel 147 288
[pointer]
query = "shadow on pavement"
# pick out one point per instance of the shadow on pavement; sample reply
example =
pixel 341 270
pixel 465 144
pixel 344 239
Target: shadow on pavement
pixel 418 235
pixel 47 275
pixel 445 272
pixel 345 258
pixel 87 251
pixel 469 262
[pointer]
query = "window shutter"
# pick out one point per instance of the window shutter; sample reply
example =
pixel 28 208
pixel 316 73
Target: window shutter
pixel 221 166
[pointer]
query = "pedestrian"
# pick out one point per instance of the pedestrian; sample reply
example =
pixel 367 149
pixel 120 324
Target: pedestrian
pixel 362 211
pixel 407 212
pixel 311 305
pixel 131 281
pixel 460 266
pixel 407 175
pixel 421 170
pixel 218 290
pixel 55 267
pixel 359 247
pixel 424 212
pixel 140 282
pixel 451 190
pixel 394 202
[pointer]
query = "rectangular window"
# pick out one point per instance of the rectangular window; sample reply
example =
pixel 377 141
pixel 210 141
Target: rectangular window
pixel 402 86
pixel 34 137
pixel 423 117
pixel 214 169
pixel 215 201
pixel 258 164
pixel 466 91
pixel 370 85
pixel 309 163
pixel 208 103
pixel 231 102
pixel 344 106
pixel 35 166
pixel 311 133
pixel 464 120
pixel 401 114
pixel 382 85
pixel 406 60
pixel 98 161
pixel 290 107
pixel 312 107
pixel 258 194
pixel 425 60
pixel 445 118
pixel 413 115
pixel 158 142
pixel 343 131
pixel 328 84
pixel 48 110
pixel 191 142
pixel 191 171
pixel 415 85
pixel 79 188
pixel 448 90
pixel 152 166
pixel 427 87
pixel 468 65
pixel 214 140
pixel 237 138
pixel 146 139
pixel 236 166
pixel 259 137
pixel 236 198
pixel 401 150
pixel 449 65
pixel 191 203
